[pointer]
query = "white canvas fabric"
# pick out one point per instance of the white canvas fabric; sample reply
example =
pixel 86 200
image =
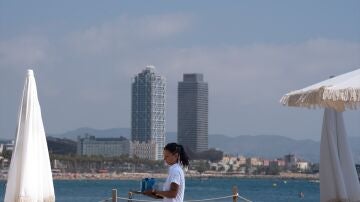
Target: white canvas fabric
pixel 30 177
pixel 339 93
pixel 338 177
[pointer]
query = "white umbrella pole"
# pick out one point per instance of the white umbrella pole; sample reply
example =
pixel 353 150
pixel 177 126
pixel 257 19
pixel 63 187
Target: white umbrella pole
pixel 338 177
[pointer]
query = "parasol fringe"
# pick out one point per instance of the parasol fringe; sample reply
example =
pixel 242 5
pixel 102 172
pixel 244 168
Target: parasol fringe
pixel 327 98
pixel 346 95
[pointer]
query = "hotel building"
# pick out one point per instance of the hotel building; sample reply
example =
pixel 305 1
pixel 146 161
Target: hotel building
pixel 108 147
pixel 148 110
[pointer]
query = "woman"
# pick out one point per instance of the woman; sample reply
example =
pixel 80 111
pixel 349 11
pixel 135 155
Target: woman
pixel 174 186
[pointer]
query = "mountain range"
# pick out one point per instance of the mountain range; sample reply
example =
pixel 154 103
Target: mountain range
pixel 266 146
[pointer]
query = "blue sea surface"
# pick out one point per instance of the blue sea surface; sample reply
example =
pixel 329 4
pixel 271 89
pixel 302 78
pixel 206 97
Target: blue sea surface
pixel 262 190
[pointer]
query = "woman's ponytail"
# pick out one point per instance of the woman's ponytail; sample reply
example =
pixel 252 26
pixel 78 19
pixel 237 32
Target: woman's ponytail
pixel 179 149
pixel 184 159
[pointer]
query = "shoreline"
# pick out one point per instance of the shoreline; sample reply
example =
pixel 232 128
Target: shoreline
pixel 203 176
pixel 139 176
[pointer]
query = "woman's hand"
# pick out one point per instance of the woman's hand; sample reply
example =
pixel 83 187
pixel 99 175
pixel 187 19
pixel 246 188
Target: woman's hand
pixel 152 194
pixel 174 188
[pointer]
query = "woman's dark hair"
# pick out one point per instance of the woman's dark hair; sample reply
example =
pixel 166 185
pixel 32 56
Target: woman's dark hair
pixel 175 148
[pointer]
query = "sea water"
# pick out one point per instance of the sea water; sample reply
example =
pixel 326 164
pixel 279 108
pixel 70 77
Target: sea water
pixel 262 190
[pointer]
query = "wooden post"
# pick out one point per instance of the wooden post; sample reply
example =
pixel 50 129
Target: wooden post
pixel 235 193
pixel 130 194
pixel 114 195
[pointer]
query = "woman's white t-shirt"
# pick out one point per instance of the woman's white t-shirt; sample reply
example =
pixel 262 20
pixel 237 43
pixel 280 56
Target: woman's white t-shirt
pixel 176 175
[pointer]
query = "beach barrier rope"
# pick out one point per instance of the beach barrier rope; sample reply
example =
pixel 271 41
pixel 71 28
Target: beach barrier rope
pixel 196 200
pixel 106 200
pixel 243 198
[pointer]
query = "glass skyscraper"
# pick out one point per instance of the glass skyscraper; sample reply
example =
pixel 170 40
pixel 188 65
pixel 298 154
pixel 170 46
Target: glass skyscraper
pixel 148 109
pixel 193 112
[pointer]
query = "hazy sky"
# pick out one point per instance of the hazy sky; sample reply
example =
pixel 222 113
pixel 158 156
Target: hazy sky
pixel 84 54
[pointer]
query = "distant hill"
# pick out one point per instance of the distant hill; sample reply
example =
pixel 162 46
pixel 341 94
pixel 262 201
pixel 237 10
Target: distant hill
pixel 112 132
pixel 267 146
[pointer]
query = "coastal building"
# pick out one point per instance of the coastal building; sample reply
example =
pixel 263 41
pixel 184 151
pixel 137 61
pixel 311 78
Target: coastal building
pixel 302 166
pixel 242 160
pixel 266 163
pixel 90 145
pixel 144 150
pixel 253 161
pixel 148 110
pixel 277 163
pixel 290 161
pixel 9 145
pixel 193 98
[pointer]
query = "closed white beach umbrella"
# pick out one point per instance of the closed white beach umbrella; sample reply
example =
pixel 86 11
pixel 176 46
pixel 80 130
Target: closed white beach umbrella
pixel 30 177
pixel 338 178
